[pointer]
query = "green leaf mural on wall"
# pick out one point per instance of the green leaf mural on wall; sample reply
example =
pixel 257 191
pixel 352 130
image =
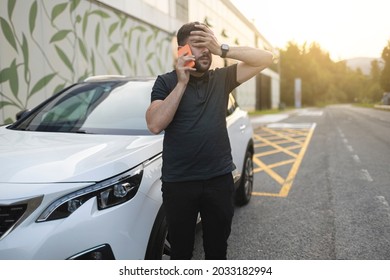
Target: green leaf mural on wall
pixel 7 31
pixel 41 83
pixel 32 16
pixel 67 41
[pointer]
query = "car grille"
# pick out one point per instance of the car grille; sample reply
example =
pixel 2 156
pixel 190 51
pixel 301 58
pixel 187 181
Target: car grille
pixel 9 215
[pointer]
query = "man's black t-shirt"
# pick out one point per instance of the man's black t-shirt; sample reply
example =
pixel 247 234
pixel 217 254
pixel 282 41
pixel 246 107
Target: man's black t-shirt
pixel 196 143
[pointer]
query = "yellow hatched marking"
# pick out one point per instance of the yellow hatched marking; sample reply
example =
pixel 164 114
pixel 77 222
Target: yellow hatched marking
pixel 274 165
pixel 276 146
pixel 294 170
pixel 269 171
pixel 285 135
pixel 277 151
pixel 302 139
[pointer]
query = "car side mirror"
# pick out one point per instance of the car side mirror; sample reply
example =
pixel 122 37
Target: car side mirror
pixel 22 113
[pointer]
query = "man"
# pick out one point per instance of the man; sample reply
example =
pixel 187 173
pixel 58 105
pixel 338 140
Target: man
pixel 190 105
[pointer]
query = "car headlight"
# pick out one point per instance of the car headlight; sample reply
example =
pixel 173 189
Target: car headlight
pixel 110 192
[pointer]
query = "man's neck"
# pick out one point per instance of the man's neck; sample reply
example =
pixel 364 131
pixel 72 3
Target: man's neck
pixel 197 74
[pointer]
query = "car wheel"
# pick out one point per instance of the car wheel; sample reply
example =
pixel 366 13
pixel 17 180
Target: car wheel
pixel 159 247
pixel 244 191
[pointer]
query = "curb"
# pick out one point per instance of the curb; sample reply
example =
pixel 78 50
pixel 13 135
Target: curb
pixel 382 107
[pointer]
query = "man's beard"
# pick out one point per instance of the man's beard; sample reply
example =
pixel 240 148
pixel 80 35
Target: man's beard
pixel 200 67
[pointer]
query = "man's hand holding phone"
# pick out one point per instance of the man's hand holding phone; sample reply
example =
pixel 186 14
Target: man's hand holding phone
pixel 185 51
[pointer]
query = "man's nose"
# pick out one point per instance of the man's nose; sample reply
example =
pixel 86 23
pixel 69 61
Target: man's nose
pixel 205 50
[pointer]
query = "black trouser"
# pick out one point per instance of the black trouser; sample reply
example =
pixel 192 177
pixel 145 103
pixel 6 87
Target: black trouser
pixel 213 199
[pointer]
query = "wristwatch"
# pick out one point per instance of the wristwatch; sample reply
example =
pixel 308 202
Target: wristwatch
pixel 224 49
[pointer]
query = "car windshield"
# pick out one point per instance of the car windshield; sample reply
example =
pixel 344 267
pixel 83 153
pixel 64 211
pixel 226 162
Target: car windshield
pixel 94 107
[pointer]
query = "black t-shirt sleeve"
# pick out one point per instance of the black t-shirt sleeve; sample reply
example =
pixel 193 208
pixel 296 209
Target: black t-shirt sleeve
pixel 159 90
pixel 163 86
pixel 231 78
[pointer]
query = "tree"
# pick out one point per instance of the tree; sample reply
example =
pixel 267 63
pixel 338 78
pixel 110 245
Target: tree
pixel 385 75
pixel 374 90
pixel 375 70
pixel 323 81
pixel 290 64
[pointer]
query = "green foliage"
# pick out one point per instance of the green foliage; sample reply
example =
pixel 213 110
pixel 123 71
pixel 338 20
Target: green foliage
pixel 385 75
pixel 323 80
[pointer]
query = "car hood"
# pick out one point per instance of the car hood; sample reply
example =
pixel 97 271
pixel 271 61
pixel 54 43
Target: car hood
pixel 41 157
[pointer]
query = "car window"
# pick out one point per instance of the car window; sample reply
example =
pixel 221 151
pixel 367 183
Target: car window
pixel 71 108
pixel 99 108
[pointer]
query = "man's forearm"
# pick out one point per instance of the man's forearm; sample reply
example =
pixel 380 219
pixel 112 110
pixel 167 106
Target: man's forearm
pixel 251 56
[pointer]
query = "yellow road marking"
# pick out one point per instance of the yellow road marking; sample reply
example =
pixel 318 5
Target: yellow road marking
pixel 267 169
pixel 276 146
pixel 284 136
pixel 277 151
pixel 294 170
pixel 265 194
pixel 276 164
pixel 303 142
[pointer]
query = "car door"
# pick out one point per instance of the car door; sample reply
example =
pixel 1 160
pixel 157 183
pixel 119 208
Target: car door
pixel 240 132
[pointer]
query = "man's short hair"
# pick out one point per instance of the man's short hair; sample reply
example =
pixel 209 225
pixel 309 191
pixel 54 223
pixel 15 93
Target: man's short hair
pixel 185 31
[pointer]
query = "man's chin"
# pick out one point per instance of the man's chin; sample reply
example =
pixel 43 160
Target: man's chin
pixel 202 66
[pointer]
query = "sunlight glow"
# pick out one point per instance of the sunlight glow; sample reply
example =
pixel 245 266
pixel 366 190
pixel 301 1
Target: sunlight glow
pixel 344 28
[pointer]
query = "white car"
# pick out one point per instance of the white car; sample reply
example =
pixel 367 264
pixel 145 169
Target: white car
pixel 80 174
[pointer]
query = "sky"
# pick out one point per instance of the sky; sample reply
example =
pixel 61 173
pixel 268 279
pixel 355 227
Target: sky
pixel 343 28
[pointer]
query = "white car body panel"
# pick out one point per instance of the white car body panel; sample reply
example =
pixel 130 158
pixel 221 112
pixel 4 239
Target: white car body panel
pixel 240 131
pixel 96 157
pixel 56 155
pixel 43 167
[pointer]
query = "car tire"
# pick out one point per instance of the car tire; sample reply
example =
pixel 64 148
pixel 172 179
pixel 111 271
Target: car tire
pixel 244 191
pixel 158 245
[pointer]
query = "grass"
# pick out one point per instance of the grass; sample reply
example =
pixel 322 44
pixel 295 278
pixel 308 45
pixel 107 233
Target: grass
pixel 365 105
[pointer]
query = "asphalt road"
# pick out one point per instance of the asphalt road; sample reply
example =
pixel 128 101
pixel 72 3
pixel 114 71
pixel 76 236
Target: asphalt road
pixel 322 188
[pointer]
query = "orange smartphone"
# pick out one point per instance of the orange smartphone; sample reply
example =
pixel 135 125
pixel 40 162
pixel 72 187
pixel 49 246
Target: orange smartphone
pixel 186 50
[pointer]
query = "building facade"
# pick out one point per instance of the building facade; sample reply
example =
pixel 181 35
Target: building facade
pixel 49 44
